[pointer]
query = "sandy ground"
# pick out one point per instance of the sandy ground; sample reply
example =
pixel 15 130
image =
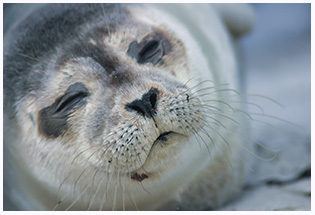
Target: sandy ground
pixel 278 65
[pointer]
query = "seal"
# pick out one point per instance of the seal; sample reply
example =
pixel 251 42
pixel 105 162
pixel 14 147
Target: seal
pixel 121 107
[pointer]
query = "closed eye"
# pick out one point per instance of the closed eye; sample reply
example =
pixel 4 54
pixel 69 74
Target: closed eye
pixel 72 99
pixel 69 101
pixel 151 52
pixel 53 119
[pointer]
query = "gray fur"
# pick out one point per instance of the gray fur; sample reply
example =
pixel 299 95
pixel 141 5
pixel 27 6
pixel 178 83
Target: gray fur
pixel 88 110
pixel 30 43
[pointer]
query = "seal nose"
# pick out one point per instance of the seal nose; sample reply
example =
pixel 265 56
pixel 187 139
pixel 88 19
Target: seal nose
pixel 146 106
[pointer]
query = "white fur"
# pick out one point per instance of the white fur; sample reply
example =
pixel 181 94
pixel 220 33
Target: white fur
pixel 210 56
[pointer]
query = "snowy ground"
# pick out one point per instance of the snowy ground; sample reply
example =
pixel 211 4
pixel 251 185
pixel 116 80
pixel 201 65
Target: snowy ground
pixel 278 65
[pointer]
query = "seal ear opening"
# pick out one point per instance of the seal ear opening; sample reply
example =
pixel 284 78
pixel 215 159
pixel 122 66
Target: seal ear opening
pixel 239 18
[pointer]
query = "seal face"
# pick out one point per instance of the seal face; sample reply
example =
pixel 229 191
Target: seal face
pixel 111 108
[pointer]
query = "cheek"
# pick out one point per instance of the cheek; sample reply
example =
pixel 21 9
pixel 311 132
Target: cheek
pixel 179 71
pixel 93 120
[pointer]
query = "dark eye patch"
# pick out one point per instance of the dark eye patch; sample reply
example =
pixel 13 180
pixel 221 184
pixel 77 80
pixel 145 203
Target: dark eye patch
pixel 53 119
pixel 150 50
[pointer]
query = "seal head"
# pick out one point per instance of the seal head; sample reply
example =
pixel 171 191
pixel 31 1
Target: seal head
pixel 106 102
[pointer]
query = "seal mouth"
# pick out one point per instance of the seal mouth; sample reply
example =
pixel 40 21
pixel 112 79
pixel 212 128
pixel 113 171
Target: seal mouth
pixel 166 137
pixel 163 136
pixel 162 139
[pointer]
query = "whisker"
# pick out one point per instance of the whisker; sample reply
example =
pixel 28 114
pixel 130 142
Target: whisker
pixel 72 204
pixel 32 58
pixel 115 193
pixel 105 192
pixel 222 115
pixel 106 20
pixel 262 96
pixel 185 84
pixel 275 152
pixel 95 191
pixel 215 88
pixel 249 103
pixel 205 143
pixel 80 153
pixel 59 189
pixel 219 101
pixel 218 145
pixel 123 195
pixel 198 141
pixel 197 93
pixel 260 158
pixel 131 196
pixel 276 118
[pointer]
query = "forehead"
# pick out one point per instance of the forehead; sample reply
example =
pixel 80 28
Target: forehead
pixel 108 40
pixel 100 47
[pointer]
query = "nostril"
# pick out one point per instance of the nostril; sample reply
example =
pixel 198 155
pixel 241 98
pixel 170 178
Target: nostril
pixel 138 106
pixel 153 98
pixel 146 106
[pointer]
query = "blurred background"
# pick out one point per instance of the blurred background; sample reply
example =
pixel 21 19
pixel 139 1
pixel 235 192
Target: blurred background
pixel 277 58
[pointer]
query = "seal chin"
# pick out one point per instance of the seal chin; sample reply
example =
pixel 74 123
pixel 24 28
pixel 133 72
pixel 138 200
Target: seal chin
pixel 159 148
